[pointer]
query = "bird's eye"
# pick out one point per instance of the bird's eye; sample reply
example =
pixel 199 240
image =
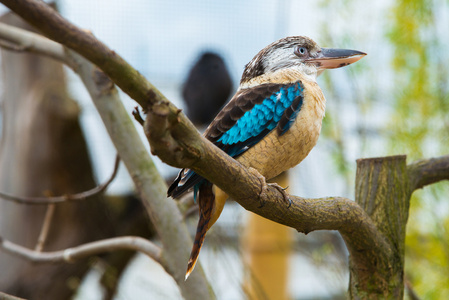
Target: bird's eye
pixel 300 51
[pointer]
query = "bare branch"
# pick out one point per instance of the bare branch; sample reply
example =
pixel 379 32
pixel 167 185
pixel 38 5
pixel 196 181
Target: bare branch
pixel 73 197
pixel 411 291
pixel 428 171
pixel 70 255
pixel 45 227
pixel 12 47
pixel 172 140
pixel 22 40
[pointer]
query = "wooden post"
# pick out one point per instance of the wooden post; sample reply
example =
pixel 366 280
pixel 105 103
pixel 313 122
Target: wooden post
pixel 266 255
pixel 382 190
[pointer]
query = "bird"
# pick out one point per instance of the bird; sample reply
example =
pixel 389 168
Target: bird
pixel 271 123
pixel 207 88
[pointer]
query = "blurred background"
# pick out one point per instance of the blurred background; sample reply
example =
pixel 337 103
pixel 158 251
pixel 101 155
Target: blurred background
pixel 394 101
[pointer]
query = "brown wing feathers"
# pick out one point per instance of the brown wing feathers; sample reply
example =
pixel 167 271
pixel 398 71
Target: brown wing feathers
pixel 243 101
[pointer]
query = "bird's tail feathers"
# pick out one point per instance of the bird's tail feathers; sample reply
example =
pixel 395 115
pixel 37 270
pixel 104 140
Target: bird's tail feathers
pixel 206 199
pixel 184 182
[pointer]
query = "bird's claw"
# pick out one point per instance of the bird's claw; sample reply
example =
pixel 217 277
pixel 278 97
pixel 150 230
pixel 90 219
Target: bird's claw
pixel 263 183
pixel 265 187
pixel 283 192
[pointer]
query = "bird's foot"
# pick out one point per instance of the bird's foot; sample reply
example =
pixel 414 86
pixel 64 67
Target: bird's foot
pixel 283 192
pixel 263 183
pixel 264 188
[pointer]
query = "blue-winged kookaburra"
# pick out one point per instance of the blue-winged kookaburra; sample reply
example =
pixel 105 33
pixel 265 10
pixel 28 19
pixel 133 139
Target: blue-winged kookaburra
pixel 271 123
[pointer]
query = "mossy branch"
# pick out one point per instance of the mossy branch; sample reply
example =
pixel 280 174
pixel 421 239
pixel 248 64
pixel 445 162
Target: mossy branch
pixel 175 140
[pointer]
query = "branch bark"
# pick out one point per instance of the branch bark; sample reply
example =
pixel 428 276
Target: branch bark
pixel 384 187
pixel 70 255
pixel 428 171
pixel 382 191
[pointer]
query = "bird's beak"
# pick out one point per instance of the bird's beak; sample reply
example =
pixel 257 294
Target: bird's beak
pixel 329 58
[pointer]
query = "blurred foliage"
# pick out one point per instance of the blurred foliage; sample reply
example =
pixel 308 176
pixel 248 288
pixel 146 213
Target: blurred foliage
pixel 419 128
pixel 421 101
pixel 415 121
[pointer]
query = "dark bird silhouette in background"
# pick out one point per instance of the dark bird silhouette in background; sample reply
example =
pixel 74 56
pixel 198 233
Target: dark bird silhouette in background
pixel 207 88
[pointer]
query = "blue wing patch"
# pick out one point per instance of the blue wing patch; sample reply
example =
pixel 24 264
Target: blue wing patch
pixel 262 119
pixel 244 121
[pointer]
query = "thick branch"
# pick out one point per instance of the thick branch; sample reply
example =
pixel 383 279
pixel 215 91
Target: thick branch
pixel 72 254
pixel 150 185
pixel 177 142
pixel 166 130
pixel 428 171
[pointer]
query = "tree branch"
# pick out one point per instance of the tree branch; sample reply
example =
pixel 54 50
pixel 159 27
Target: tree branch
pixel 45 227
pixel 59 199
pixel 428 171
pixel 70 255
pixel 23 40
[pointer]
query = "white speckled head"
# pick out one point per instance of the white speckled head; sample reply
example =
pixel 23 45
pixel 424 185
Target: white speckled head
pixel 300 54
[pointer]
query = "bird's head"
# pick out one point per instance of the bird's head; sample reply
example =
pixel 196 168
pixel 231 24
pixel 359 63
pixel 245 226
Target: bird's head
pixel 299 53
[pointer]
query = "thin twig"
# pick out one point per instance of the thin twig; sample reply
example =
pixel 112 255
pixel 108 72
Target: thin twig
pixel 410 290
pixel 45 227
pixel 72 197
pixel 70 255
